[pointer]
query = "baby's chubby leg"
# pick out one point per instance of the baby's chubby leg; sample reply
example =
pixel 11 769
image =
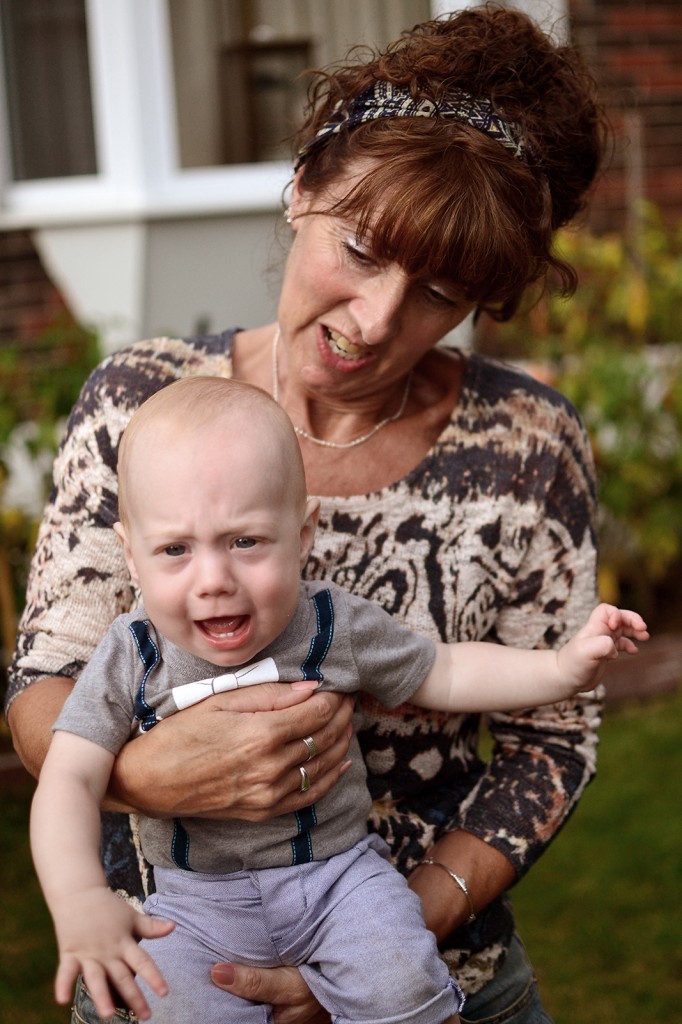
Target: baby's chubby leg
pixel 371 957
pixel 186 964
pixel 350 924
pixel 217 917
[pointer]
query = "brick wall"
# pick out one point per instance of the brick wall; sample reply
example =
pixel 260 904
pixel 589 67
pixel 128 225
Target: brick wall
pixel 636 48
pixel 29 301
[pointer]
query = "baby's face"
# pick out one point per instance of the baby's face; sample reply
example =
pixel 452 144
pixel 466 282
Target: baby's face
pixel 216 541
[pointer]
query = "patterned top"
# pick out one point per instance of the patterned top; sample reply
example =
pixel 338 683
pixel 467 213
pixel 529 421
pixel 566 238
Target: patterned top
pixel 491 536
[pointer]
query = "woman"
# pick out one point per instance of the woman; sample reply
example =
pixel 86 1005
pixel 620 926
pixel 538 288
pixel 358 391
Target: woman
pixel 457 493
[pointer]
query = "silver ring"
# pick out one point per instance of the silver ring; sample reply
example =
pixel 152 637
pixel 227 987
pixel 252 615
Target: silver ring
pixel 305 779
pixel 310 747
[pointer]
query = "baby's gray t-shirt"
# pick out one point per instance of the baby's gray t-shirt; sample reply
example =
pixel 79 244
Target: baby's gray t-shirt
pixel 346 642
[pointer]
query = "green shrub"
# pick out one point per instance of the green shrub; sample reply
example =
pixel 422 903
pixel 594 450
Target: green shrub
pixel 40 379
pixel 632 405
pixel 615 350
pixel 630 294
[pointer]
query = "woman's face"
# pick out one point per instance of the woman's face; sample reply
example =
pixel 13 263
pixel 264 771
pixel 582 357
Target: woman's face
pixel 352 324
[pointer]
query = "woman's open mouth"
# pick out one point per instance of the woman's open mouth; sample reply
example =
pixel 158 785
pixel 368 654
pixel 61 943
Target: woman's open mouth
pixel 340 353
pixel 341 346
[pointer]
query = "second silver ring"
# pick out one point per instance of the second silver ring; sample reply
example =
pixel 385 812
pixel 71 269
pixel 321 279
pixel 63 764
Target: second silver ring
pixel 305 779
pixel 310 747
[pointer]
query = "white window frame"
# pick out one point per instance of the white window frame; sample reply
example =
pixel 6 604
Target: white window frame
pixel 133 98
pixel 135 136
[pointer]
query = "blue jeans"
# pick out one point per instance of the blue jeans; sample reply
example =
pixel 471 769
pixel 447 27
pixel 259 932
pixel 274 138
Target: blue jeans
pixel 510 998
pixel 84 1012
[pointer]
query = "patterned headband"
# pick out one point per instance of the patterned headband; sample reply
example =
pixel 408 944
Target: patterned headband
pixel 383 99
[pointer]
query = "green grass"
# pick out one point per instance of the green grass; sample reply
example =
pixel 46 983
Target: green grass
pixel 600 913
pixel 27 948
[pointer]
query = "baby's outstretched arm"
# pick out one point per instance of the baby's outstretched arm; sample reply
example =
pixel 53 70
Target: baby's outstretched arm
pixel 96 930
pixel 470 676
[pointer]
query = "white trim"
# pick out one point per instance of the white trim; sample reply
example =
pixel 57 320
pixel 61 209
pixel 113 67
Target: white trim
pixel 205 192
pixel 439 7
pixel 135 130
pixel 5 142
pixel 552 15
pixel 132 93
pixel 134 112
pixel 106 290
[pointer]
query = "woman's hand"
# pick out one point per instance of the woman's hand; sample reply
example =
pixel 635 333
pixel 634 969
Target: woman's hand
pixel 282 987
pixel 236 755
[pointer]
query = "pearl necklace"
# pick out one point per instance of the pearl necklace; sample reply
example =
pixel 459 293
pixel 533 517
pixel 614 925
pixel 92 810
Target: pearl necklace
pixel 334 444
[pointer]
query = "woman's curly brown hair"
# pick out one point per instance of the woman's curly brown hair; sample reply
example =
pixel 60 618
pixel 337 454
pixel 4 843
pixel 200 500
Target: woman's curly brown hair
pixel 443 198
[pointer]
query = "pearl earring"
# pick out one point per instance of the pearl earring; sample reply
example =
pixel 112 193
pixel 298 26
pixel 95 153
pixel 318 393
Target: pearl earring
pixel 287 215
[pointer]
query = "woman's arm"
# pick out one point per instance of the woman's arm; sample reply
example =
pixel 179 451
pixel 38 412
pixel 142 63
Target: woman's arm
pixel 31 717
pixel 242 763
pixel 237 755
pixel 485 872
pixel 543 758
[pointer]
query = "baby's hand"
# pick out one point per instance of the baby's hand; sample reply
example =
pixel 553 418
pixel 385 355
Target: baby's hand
pixel 96 935
pixel 618 624
pixel 608 632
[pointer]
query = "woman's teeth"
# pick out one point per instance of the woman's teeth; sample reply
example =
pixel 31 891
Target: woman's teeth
pixel 342 346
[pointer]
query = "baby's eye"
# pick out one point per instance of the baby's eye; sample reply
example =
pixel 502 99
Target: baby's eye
pixel 243 543
pixel 175 550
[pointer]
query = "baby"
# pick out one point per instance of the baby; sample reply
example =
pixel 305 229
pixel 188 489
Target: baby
pixel 216 525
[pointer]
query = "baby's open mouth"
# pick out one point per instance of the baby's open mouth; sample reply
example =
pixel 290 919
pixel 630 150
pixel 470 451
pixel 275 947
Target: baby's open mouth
pixel 222 628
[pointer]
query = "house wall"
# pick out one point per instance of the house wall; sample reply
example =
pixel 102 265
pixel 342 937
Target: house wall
pixel 28 298
pixel 231 267
pixel 636 49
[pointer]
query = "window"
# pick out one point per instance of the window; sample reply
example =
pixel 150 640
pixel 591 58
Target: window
pixel 47 85
pixel 164 107
pixel 236 66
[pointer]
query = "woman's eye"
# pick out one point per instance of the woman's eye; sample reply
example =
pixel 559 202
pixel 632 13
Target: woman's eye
pixel 440 298
pixel 358 254
pixel 243 543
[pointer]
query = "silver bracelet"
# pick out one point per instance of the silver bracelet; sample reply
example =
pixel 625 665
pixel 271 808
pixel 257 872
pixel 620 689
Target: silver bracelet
pixel 460 883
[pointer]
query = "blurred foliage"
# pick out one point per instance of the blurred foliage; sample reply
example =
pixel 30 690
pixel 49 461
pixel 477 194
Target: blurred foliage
pixel 40 379
pixel 632 405
pixel 615 350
